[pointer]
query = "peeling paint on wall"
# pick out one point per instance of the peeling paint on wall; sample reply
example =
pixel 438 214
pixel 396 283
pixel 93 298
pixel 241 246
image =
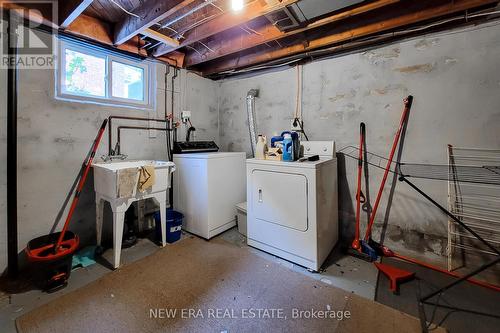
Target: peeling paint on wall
pixel 351 94
pixel 383 55
pixel 421 68
pixel 65 140
pixel 341 92
pixel 424 44
pixel 391 88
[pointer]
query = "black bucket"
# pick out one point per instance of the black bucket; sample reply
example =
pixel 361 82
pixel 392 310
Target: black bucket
pixel 52 272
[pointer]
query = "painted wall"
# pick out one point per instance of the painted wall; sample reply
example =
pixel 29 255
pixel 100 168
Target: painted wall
pixel 455 79
pixel 453 76
pixel 54 137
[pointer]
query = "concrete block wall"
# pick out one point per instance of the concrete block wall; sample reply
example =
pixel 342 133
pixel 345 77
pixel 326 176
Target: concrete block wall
pixel 54 136
pixel 455 79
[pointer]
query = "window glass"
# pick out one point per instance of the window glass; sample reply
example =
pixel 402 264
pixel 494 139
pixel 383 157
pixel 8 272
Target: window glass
pixel 128 81
pixel 85 74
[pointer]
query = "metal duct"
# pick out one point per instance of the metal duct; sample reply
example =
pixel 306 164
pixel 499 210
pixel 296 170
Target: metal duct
pixel 252 126
pixel 186 14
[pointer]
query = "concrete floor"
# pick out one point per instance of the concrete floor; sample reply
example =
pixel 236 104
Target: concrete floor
pixel 340 271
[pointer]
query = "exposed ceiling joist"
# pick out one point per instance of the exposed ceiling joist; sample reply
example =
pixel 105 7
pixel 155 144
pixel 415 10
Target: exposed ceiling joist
pixel 160 37
pixel 149 13
pixel 269 33
pixel 251 59
pixel 224 22
pixel 94 29
pixel 69 10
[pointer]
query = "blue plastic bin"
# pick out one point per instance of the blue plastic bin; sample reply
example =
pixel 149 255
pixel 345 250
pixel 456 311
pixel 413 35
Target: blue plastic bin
pixel 174 224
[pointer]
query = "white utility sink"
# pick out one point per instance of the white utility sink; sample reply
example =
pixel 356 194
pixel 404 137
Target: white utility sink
pixel 107 187
pixel 106 175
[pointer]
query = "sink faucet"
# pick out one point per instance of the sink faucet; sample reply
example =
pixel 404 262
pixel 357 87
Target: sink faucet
pixel 110 158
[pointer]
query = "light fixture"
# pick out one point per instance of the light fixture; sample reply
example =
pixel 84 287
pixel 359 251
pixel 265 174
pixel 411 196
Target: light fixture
pixel 237 5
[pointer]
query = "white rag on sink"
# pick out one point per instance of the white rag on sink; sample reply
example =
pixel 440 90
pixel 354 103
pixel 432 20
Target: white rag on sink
pixel 127 182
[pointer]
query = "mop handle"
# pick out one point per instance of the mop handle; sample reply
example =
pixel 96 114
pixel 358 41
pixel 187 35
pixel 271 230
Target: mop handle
pixel 355 243
pixel 407 103
pixel 81 183
pixel 456 275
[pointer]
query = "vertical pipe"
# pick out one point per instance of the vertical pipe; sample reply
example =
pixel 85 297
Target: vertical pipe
pixel 251 118
pixel 12 241
pixel 174 134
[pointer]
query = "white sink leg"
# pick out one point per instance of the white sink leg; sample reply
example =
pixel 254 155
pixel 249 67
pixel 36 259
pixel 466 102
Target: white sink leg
pixel 99 205
pixel 118 221
pixel 163 217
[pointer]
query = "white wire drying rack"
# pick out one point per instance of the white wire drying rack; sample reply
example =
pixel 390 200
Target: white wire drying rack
pixel 475 204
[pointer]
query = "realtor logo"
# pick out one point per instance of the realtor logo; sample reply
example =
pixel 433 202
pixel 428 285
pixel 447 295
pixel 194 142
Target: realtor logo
pixel 21 30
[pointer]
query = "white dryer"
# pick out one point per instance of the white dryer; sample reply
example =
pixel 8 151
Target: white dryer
pixel 293 206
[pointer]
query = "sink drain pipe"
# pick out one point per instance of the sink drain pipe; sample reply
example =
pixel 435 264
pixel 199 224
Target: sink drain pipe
pixel 251 95
pixel 12 74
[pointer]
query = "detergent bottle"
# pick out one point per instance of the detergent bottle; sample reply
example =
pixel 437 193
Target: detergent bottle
pixel 288 149
pixel 261 149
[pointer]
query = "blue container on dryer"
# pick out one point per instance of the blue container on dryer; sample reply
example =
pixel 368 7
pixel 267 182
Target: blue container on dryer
pixel 288 148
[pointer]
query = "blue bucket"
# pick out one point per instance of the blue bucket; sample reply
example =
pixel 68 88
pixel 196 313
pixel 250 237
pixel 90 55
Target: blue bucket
pixel 174 225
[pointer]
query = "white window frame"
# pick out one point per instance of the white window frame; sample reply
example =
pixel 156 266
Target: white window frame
pixel 147 103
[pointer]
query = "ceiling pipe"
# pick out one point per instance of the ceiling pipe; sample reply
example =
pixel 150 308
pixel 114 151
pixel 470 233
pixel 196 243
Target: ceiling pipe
pixel 12 74
pixel 191 11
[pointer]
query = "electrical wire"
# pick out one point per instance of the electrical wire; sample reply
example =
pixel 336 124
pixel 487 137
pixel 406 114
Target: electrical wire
pixel 374 38
pixel 192 48
pixel 206 46
pixel 214 5
pixel 124 10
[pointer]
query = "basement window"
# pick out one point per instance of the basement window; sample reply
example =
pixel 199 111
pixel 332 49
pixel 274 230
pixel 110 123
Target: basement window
pixel 92 75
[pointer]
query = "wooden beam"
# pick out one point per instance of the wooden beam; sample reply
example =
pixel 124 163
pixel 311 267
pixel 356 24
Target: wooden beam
pixel 149 13
pixel 69 10
pixel 224 22
pixel 42 15
pixel 94 29
pixel 91 28
pixel 269 33
pixel 377 27
pixel 160 37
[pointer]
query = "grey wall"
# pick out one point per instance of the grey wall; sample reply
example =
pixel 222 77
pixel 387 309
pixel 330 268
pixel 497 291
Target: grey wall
pixel 54 137
pixel 455 79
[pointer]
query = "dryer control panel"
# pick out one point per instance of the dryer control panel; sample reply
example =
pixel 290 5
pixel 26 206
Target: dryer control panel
pixel 321 148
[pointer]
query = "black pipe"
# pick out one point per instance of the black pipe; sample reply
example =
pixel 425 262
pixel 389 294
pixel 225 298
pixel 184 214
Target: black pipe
pixel 12 73
pixel 167 124
pixel 118 139
pixel 174 135
pixel 110 128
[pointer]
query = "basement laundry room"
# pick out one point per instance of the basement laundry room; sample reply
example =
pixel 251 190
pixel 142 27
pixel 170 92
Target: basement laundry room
pixel 234 166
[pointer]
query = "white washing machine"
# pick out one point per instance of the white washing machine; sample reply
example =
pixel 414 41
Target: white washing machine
pixel 207 187
pixel 292 207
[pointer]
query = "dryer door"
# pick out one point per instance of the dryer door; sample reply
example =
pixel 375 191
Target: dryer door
pixel 280 198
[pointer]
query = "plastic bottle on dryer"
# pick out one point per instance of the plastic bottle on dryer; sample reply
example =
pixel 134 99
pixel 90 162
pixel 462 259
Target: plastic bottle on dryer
pixel 288 149
pixel 261 149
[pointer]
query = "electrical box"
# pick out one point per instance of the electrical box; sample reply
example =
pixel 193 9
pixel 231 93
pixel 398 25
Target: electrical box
pixel 296 125
pixel 185 116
